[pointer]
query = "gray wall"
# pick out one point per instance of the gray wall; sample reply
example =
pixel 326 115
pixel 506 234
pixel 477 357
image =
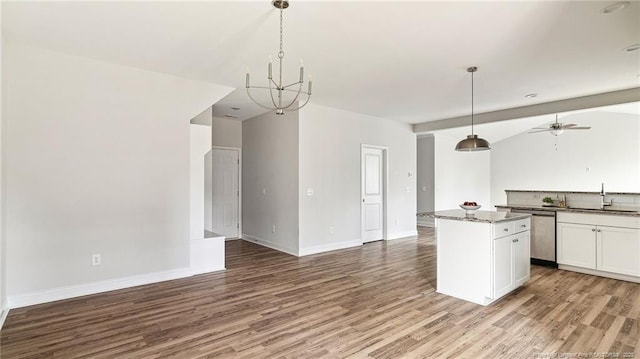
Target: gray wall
pixel 96 161
pixel 330 150
pixel 425 178
pixel 270 163
pixel 226 132
pixel 3 292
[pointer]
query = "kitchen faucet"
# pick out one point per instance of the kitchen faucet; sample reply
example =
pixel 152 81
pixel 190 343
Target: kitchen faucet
pixel 602 194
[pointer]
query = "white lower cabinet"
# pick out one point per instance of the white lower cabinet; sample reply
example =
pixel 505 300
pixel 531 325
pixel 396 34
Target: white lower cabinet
pixel 522 258
pixel 502 266
pixel 601 244
pixel 618 250
pixel 511 266
pixel 576 245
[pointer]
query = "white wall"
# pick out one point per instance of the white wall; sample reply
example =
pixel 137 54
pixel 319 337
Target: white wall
pixel 270 162
pixel 203 118
pixel 208 191
pixel 3 292
pixel 425 177
pixel 200 144
pixel 227 132
pixel 460 176
pixel 610 151
pixel 97 161
pixel 330 145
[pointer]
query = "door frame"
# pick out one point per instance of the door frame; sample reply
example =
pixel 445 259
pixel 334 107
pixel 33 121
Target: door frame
pixel 239 186
pixel 385 189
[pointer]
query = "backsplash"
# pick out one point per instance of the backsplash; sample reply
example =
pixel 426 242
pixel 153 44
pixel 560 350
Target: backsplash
pixel 622 201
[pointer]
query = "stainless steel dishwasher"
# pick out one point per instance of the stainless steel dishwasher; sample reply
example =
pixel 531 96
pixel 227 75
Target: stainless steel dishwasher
pixel 543 236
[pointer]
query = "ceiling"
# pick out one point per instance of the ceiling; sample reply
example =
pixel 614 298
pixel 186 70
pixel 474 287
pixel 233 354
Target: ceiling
pixel 498 131
pixel 399 60
pixel 237 105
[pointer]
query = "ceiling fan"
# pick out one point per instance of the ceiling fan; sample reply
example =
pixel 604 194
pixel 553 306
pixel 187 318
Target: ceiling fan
pixel 558 128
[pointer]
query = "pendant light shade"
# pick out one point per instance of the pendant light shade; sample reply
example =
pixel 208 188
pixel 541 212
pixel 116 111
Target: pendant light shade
pixel 472 142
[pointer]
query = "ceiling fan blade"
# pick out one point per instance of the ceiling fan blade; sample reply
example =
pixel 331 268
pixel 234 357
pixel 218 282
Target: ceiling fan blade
pixel 539 130
pixel 578 128
pixel 567 125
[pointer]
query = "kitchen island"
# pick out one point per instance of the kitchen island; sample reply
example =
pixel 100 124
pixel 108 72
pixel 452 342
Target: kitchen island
pixel 483 255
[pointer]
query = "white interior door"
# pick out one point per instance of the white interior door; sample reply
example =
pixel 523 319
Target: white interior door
pixel 372 220
pixel 226 193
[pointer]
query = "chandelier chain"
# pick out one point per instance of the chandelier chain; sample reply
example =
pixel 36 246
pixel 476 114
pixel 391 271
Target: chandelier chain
pixel 281 53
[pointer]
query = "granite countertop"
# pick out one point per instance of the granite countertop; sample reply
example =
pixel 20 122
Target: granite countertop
pixel 569 209
pixel 575 192
pixel 476 216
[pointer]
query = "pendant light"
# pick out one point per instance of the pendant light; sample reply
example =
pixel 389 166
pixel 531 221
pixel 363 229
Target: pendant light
pixel 472 142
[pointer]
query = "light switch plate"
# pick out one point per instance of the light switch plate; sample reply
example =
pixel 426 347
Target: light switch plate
pixel 309 192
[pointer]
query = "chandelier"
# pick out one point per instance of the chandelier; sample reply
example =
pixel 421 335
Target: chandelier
pixel 277 89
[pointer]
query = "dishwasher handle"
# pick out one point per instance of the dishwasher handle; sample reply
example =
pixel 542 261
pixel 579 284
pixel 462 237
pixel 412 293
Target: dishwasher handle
pixel 535 213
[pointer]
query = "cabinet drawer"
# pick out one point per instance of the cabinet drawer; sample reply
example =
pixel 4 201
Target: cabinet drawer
pixel 599 219
pixel 502 229
pixel 522 225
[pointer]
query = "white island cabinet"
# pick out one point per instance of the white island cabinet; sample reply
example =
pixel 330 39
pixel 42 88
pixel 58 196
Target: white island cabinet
pixel 481 256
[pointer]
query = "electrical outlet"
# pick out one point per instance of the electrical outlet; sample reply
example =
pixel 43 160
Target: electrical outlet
pixel 96 259
pixel 273 229
pixel 263 191
pixel 397 222
pixel 332 230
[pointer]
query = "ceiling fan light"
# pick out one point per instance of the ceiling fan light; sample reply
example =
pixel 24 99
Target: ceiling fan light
pixel 557 132
pixel 473 143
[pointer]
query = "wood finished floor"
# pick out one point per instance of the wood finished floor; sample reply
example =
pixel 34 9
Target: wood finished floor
pixel 374 301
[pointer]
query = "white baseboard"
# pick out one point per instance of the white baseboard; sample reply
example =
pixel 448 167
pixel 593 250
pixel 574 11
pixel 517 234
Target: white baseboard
pixel 50 295
pixel 329 247
pixel 4 312
pixel 626 277
pixel 211 270
pixel 402 234
pixel 426 223
pixel 268 244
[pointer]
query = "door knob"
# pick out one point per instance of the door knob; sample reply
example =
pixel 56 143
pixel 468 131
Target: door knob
pixel 363 200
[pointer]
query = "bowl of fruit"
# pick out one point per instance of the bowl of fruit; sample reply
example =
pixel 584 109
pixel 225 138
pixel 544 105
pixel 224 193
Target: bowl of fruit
pixel 470 206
